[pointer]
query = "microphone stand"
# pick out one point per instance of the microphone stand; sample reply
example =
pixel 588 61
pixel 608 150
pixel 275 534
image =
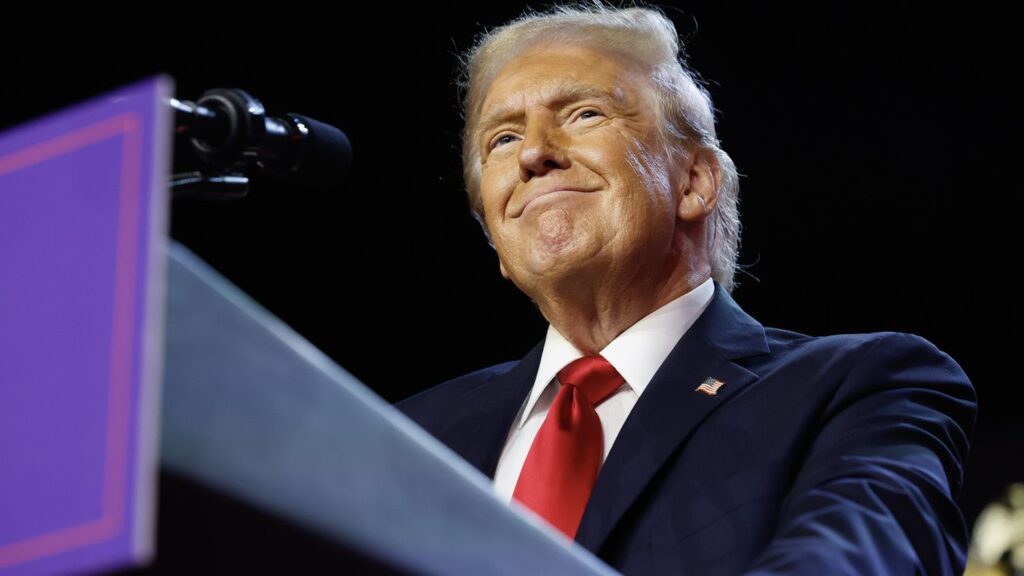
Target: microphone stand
pixel 198 184
pixel 230 132
pixel 220 141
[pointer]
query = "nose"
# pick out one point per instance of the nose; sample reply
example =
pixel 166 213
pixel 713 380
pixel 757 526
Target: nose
pixel 543 149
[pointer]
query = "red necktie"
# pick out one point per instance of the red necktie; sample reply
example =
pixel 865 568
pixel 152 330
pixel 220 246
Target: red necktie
pixel 562 465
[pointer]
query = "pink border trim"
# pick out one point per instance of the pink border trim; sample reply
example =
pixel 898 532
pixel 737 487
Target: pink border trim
pixel 122 346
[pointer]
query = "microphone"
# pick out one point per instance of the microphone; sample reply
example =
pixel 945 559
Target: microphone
pixel 230 130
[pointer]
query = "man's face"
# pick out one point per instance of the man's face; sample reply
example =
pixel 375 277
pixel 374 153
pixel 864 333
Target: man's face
pixel 575 184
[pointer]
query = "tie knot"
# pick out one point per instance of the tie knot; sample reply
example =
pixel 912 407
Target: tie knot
pixel 594 375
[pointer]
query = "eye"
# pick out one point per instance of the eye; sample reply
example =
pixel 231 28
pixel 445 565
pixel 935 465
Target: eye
pixel 502 139
pixel 588 113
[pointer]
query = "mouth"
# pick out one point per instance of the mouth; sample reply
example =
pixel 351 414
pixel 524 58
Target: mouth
pixel 547 196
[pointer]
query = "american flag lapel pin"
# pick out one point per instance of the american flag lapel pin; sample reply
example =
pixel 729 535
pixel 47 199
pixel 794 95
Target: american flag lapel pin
pixel 710 386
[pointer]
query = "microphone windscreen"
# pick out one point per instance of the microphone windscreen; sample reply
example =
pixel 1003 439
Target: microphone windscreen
pixel 326 156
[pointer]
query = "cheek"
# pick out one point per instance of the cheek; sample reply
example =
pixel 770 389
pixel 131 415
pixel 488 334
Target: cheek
pixel 496 185
pixel 630 159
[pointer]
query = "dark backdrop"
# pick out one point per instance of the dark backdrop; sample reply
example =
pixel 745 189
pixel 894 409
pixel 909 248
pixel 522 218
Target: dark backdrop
pixel 878 149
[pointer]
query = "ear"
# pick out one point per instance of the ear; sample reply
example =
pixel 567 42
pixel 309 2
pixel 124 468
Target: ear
pixel 698 193
pixel 501 268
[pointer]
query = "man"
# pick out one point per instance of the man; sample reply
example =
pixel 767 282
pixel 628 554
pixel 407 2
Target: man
pixel 658 424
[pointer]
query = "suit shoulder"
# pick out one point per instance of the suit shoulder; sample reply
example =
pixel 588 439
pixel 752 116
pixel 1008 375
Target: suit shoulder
pixel 877 360
pixel 861 365
pixel 854 347
pixel 838 342
pixel 910 360
pixel 432 402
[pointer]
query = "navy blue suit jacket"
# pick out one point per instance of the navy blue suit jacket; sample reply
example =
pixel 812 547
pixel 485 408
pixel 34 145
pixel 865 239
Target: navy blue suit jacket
pixel 820 455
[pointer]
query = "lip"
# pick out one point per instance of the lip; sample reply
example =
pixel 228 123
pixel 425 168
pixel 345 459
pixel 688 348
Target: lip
pixel 533 196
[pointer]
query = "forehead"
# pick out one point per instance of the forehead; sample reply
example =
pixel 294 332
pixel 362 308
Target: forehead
pixel 548 72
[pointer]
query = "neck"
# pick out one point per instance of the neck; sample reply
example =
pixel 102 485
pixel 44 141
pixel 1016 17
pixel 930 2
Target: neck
pixel 590 317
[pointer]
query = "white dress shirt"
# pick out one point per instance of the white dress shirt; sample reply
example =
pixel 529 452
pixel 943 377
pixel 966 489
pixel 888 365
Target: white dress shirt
pixel 637 354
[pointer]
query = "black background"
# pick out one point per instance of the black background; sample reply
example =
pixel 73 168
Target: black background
pixel 878 148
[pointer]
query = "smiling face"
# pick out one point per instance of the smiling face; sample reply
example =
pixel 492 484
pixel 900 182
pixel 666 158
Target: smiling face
pixel 576 186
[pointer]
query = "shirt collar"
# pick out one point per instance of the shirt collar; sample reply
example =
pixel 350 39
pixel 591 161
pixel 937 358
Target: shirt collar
pixel 637 353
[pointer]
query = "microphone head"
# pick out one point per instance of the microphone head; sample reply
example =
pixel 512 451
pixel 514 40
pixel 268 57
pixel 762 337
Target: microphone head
pixel 326 156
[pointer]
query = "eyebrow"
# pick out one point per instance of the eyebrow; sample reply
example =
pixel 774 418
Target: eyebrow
pixel 557 98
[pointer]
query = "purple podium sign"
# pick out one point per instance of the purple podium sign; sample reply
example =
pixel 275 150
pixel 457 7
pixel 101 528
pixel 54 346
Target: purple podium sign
pixel 83 234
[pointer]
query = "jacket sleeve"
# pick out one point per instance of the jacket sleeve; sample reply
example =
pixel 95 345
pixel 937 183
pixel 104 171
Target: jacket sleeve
pixel 877 491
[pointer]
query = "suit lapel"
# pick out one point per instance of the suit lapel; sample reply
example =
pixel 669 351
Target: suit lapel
pixel 670 409
pixel 493 405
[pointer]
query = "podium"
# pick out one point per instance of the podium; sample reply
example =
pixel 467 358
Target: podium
pixel 252 410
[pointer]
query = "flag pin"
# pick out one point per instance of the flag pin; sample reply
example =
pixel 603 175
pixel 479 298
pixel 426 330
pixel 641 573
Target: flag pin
pixel 710 386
